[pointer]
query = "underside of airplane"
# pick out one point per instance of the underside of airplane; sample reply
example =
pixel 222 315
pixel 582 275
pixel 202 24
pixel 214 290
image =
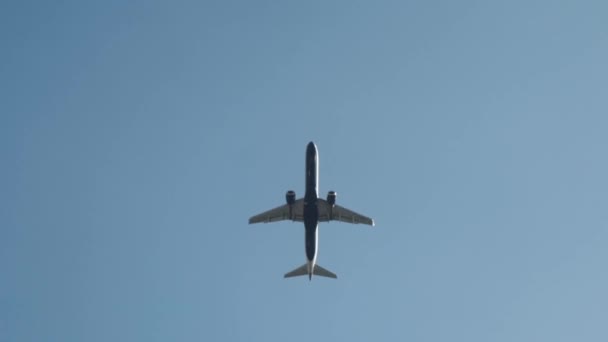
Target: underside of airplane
pixel 311 210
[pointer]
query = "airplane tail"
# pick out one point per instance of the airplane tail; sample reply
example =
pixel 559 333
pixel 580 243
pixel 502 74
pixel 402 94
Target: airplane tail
pixel 320 271
pixel 303 270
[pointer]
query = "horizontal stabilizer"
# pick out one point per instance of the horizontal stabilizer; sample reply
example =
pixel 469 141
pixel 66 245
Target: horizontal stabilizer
pixel 303 270
pixel 300 271
pixel 320 271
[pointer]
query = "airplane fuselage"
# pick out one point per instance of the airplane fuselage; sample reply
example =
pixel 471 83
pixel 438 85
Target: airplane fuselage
pixel 311 211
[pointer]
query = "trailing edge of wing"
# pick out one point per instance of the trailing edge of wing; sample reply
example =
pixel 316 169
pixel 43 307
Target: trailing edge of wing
pixel 338 213
pixel 283 212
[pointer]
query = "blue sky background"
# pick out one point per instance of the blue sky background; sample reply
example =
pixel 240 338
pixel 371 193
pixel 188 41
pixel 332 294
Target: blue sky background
pixel 137 138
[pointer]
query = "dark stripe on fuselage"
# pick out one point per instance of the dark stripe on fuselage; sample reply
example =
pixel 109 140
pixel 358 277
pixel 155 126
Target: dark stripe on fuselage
pixel 311 211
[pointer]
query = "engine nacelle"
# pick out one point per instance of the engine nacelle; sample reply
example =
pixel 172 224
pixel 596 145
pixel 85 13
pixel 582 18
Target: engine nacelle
pixel 331 197
pixel 290 197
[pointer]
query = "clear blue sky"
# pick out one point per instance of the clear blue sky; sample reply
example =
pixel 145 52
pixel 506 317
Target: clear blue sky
pixel 136 140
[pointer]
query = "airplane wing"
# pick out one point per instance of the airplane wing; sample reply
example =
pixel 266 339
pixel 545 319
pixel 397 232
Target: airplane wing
pixel 293 212
pixel 338 213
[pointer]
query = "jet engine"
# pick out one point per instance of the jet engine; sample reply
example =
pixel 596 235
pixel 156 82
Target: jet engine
pixel 290 197
pixel 331 197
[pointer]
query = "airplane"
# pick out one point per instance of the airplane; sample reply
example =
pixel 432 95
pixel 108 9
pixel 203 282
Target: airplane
pixel 311 210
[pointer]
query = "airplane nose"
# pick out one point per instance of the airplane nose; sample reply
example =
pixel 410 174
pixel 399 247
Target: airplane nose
pixel 311 148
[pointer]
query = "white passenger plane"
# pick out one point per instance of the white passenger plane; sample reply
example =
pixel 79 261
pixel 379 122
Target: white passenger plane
pixel 311 210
